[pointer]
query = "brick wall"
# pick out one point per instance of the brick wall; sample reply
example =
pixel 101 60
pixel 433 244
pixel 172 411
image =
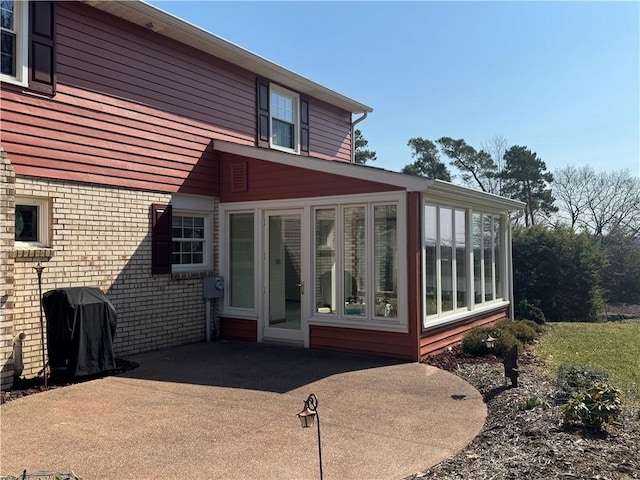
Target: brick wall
pixel 101 237
pixel 7 234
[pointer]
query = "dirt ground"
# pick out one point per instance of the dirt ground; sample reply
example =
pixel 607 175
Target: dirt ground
pixel 533 444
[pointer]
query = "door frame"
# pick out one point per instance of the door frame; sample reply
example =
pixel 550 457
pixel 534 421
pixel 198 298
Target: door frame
pixel 265 331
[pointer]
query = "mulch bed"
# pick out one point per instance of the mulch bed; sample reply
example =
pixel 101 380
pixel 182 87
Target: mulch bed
pixel 25 387
pixel 533 443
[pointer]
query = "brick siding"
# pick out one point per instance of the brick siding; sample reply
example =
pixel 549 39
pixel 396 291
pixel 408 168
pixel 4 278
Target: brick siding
pixel 101 237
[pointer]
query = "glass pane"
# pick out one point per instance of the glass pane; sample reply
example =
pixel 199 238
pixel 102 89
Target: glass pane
pixel 497 257
pixel 26 223
pixel 285 273
pixel 8 54
pixel 446 258
pixel 282 107
pixel 385 246
pixel 355 261
pixel 488 257
pixel 476 220
pixel 461 259
pixel 7 14
pixel 282 133
pixel 430 236
pixel 325 244
pixel 241 261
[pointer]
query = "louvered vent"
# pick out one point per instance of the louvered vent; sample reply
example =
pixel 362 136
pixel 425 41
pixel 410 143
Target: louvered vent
pixel 239 177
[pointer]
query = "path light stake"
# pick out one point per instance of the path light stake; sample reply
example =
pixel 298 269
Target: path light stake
pixel 39 268
pixel 307 416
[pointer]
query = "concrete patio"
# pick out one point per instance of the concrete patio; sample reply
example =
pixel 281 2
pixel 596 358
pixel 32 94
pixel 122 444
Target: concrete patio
pixel 227 410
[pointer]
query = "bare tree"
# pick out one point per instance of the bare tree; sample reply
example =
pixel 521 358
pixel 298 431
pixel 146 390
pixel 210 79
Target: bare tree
pixel 496 147
pixel 598 202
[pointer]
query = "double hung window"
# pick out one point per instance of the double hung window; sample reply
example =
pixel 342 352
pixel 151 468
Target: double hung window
pixel 13 28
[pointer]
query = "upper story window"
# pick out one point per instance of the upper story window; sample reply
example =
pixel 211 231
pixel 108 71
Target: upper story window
pixel 28 50
pixel 283 119
pixel 13 29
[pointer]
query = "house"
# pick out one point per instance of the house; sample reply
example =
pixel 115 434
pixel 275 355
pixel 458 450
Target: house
pixel 143 156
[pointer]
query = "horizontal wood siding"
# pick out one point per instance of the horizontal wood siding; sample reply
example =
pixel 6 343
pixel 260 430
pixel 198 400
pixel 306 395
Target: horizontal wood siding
pixel 272 181
pixel 136 109
pixel 132 109
pixel 329 132
pixel 239 329
pixel 436 340
pixel 386 344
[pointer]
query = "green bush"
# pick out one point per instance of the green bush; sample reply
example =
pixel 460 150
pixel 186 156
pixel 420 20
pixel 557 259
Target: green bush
pixel 529 311
pixel 538 328
pixel 473 342
pixel 573 379
pixel 523 332
pixel 532 402
pixel 598 405
pixel 559 271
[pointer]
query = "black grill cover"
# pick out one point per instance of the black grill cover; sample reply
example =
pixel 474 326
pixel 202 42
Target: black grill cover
pixel 81 326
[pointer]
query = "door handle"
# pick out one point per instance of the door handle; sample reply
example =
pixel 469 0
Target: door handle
pixel 301 285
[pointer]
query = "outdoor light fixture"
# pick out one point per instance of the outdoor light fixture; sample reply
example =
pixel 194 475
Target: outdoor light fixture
pixel 491 339
pixel 307 417
pixel 39 269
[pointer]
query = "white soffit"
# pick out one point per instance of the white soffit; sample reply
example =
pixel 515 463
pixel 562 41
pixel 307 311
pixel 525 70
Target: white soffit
pixel 445 191
pixel 157 20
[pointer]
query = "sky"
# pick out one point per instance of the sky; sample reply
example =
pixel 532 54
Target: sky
pixel 561 78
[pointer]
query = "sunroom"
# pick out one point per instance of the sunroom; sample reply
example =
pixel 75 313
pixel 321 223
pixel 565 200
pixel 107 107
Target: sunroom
pixel 347 257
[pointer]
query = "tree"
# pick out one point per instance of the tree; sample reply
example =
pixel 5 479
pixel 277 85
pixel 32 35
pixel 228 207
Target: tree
pixel 525 178
pixel 476 166
pixel 496 147
pixel 427 160
pixel 362 154
pixel 559 271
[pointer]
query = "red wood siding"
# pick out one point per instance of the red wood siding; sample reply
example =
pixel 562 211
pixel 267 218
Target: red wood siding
pixel 239 329
pixel 136 109
pixel 329 132
pixel 437 339
pixel 386 344
pixel 273 181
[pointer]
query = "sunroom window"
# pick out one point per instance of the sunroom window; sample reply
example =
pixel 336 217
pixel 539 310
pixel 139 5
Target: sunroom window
pixel 457 275
pixel 241 260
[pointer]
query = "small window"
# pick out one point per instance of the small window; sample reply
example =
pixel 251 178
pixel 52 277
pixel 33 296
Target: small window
pixel 31 221
pixel 13 27
pixel 191 241
pixel 284 119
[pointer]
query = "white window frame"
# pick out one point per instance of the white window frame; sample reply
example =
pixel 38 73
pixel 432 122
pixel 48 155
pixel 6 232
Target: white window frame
pixel 21 26
pixel 309 314
pixel 295 98
pixel 191 206
pixel 500 297
pixel 43 221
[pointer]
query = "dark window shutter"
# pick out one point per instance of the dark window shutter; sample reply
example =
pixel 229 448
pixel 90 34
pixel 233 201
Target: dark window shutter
pixel 262 106
pixel 304 125
pixel 42 46
pixel 161 235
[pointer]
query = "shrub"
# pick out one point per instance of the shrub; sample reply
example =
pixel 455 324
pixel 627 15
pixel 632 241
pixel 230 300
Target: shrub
pixel 532 402
pixel 529 311
pixel 573 379
pixel 505 341
pixel 523 332
pixel 473 341
pixel 595 406
pixel 538 328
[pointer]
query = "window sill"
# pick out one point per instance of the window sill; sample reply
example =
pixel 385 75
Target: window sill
pixel 364 324
pixel 456 317
pixel 32 250
pixel 190 275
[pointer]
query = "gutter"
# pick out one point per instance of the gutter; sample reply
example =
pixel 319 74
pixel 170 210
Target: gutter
pixel 353 132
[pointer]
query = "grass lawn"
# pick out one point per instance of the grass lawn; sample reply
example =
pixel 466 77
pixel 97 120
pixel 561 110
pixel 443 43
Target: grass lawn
pixel 613 346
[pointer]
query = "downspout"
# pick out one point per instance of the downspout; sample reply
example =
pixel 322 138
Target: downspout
pixel 512 307
pixel 18 364
pixel 353 133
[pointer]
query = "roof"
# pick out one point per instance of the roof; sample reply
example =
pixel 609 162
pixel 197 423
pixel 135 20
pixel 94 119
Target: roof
pixel 436 189
pixel 164 23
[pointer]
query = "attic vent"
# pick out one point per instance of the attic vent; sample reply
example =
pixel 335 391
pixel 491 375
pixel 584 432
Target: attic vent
pixel 239 177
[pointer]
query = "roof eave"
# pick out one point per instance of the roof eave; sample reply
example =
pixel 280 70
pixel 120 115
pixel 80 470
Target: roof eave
pixel 164 23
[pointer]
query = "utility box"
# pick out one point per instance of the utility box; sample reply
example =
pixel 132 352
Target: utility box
pixel 213 287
